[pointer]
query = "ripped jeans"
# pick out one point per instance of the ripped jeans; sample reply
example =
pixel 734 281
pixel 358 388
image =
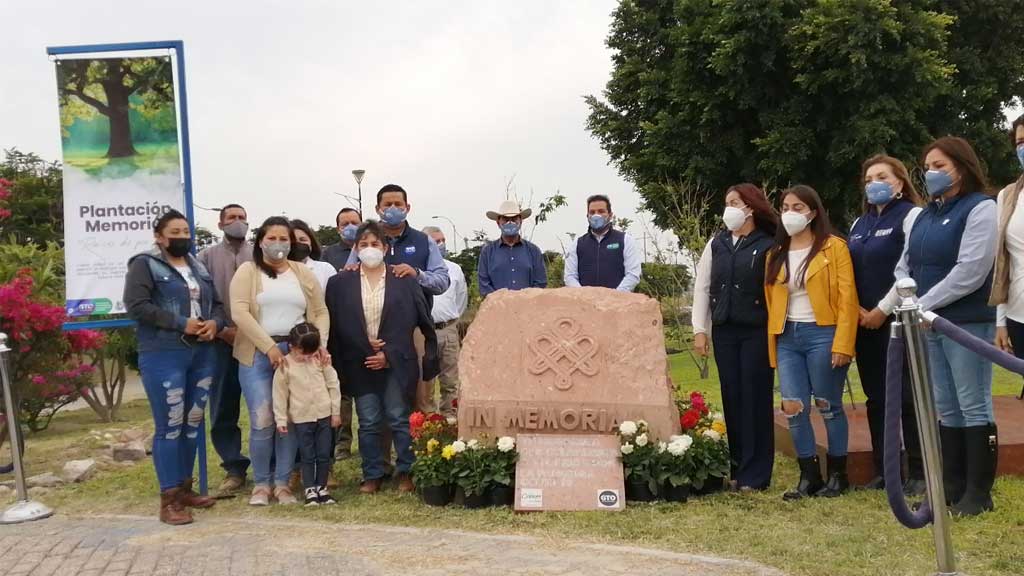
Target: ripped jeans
pixel 266 444
pixel 177 384
pixel 805 370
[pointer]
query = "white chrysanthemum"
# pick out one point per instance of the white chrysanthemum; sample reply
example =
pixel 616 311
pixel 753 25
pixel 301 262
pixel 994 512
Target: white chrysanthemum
pixel 641 440
pixel 506 444
pixel 627 428
pixel 473 444
pixel 459 446
pixel 680 445
pixel 627 448
pixel 451 420
pixel 709 433
pixel 662 446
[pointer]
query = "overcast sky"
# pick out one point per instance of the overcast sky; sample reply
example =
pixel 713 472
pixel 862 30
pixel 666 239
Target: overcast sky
pixel 449 99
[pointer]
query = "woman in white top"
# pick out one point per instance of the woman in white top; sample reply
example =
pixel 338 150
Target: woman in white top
pixel 306 249
pixel 1008 283
pixel 269 296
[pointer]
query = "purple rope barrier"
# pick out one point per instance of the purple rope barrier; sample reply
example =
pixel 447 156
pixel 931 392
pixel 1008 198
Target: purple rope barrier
pixel 892 461
pixel 980 347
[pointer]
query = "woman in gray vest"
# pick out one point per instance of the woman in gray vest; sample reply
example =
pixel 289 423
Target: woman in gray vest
pixel 729 291
pixel 950 254
pixel 891 205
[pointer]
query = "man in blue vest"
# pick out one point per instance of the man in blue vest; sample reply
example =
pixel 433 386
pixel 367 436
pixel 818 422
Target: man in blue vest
pixel 603 256
pixel 510 262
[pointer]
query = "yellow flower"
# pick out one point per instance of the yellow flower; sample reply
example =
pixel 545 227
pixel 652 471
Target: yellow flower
pixel 447 452
pixel 718 427
pixel 432 445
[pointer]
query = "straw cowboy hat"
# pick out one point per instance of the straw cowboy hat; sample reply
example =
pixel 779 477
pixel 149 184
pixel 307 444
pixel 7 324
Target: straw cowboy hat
pixel 509 209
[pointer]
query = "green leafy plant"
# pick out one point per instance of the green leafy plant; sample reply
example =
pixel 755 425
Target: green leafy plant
pixel 472 469
pixel 639 453
pixel 675 461
pixel 501 461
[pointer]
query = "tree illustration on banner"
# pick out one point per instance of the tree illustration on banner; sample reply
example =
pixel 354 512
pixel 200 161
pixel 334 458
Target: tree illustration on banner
pixel 114 105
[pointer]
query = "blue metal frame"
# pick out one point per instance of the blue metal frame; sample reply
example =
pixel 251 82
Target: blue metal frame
pixel 186 161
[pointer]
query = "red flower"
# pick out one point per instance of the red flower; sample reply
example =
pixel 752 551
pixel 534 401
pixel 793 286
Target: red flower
pixel 416 420
pixel 689 419
pixel 435 417
pixel 4 213
pixel 81 340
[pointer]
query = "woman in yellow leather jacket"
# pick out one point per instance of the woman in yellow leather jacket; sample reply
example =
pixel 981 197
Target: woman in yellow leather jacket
pixel 812 328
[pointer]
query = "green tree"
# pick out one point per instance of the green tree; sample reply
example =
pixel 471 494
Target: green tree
pixel 787 91
pixel 108 86
pixel 327 235
pixel 35 202
pixel 204 238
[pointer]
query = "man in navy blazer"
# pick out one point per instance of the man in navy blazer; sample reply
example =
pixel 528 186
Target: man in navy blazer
pixel 383 396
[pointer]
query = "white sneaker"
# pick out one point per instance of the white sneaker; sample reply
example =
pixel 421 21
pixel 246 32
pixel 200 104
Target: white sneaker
pixel 284 496
pixel 260 495
pixel 312 497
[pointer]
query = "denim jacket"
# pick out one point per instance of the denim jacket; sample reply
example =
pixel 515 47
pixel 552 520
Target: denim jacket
pixel 157 297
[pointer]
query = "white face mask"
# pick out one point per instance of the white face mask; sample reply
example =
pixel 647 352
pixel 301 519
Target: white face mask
pixel 794 222
pixel 371 257
pixel 734 218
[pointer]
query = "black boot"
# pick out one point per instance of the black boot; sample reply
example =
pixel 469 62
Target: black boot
pixel 982 445
pixel 954 475
pixel 810 479
pixel 838 483
pixel 915 484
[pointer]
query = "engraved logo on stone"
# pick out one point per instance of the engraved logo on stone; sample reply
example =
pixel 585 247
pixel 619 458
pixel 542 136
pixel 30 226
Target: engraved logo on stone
pixel 563 351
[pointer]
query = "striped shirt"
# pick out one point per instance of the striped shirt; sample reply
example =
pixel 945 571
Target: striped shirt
pixel 373 303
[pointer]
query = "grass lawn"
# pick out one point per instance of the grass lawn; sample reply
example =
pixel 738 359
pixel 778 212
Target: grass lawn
pixel 853 535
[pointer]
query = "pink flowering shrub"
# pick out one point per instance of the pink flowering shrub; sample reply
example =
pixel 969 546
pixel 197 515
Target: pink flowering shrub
pixel 5 193
pixel 47 365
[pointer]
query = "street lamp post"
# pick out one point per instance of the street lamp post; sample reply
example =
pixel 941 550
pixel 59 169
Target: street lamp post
pixel 358 175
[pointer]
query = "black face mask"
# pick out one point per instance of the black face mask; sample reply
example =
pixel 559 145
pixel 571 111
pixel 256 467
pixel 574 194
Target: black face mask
pixel 179 247
pixel 299 252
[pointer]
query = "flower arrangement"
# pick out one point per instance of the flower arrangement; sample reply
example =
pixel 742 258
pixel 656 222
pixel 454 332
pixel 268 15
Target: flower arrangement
pixel 639 457
pixel 676 465
pixel 709 451
pixel 432 437
pixel 472 468
pixel 502 458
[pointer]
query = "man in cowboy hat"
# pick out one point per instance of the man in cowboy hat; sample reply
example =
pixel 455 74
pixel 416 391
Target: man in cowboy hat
pixel 511 261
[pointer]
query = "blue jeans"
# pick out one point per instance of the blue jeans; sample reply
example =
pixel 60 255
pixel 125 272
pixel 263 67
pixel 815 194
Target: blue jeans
pixel 375 410
pixel 175 380
pixel 225 403
pixel 961 379
pixel 266 445
pixel 805 370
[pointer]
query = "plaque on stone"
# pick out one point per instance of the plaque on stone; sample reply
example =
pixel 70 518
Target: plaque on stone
pixel 568 472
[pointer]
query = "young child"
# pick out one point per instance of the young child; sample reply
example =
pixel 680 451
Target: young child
pixel 308 395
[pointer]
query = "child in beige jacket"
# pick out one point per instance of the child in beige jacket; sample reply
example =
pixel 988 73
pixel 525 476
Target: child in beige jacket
pixel 307 394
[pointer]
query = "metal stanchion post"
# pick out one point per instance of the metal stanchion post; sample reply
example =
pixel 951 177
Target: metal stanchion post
pixel 23 510
pixel 909 316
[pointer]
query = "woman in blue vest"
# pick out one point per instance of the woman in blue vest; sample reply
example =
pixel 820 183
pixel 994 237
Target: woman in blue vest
pixel 891 205
pixel 729 292
pixel 950 255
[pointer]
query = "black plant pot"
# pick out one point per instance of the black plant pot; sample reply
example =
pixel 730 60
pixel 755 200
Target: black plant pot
pixel 436 495
pixel 675 493
pixel 711 485
pixel 502 495
pixel 473 501
pixel 639 491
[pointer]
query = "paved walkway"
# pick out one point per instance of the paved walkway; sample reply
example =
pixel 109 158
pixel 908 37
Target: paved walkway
pixel 130 545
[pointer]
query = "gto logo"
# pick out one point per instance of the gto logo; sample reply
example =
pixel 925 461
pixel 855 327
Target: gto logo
pixel 608 498
pixel 86 307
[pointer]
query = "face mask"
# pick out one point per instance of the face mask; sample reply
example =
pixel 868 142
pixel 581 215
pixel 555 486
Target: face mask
pixel 794 222
pixel 442 249
pixel 300 252
pixel 937 182
pixel 236 229
pixel 276 251
pixel 598 222
pixel 392 216
pixel 510 229
pixel 371 257
pixel 179 247
pixel 1020 155
pixel 878 193
pixel 734 218
pixel 348 233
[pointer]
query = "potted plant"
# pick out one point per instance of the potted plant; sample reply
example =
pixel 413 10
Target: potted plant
pixel 432 436
pixel 710 449
pixel 502 459
pixel 639 461
pixel 675 470
pixel 470 473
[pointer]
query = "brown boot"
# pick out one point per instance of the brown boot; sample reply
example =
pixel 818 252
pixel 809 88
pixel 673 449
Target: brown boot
pixel 332 482
pixel 190 499
pixel 370 486
pixel 405 483
pixel 171 510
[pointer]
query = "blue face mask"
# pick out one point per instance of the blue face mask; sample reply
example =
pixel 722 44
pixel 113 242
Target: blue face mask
pixel 392 216
pixel 598 222
pixel 878 193
pixel 510 229
pixel 1020 155
pixel 442 249
pixel 348 233
pixel 937 182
